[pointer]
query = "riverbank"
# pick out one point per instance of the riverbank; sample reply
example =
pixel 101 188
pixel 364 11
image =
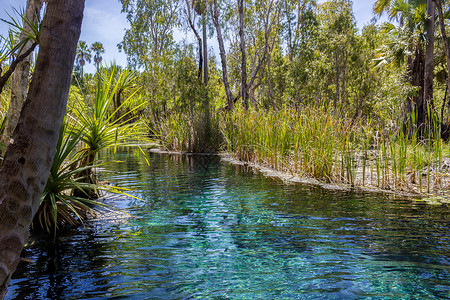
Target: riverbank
pixel 242 234
pixel 410 190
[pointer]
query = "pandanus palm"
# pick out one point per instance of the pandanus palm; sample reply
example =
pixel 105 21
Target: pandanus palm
pixel 101 128
pixel 409 39
pixel 58 205
pixel 61 204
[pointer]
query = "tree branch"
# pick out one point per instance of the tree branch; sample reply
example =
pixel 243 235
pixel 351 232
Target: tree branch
pixel 13 66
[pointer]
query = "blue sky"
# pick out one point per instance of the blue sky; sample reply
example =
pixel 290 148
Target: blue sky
pixel 104 22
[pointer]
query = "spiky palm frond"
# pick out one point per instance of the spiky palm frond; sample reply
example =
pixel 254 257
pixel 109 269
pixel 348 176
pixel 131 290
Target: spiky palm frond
pixel 20 25
pixel 103 129
pixel 58 204
pixel 381 6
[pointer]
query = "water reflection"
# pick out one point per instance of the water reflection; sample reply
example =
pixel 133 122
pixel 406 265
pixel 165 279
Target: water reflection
pixel 212 230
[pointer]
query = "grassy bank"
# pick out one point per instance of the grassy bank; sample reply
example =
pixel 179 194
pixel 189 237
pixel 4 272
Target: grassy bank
pixel 332 148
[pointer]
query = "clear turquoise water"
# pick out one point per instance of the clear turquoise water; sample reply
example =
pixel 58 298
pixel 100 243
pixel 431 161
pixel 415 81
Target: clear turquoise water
pixel 210 230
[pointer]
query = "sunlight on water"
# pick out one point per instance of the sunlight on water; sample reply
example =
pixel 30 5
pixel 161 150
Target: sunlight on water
pixel 211 230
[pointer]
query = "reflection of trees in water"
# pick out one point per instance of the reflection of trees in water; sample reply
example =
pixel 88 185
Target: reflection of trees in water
pixel 377 226
pixel 200 215
pixel 62 269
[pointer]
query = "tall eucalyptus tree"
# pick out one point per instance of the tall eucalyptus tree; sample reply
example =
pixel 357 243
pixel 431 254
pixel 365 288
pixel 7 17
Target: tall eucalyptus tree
pixel 263 38
pixel 201 8
pixel 215 13
pixel 191 19
pixel 297 19
pixel 151 30
pixel 244 90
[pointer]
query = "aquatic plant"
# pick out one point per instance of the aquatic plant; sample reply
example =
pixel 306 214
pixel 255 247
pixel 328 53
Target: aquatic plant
pixel 60 205
pixel 333 147
pixel 194 133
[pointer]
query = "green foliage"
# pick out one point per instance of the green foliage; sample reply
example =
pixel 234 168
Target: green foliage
pixel 11 45
pixel 150 35
pixel 59 205
pixel 93 125
pixel 315 143
pixel 102 128
pixel 187 123
pixel 192 133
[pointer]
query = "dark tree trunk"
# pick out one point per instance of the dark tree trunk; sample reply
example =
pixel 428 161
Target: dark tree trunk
pixel 444 36
pixel 445 130
pixel 199 39
pixel 429 63
pixel 205 49
pixel 30 154
pixel 414 110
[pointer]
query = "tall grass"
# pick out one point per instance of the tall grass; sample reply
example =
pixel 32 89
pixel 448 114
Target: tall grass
pixel 332 147
pixel 304 142
pixel 194 133
pixel 315 143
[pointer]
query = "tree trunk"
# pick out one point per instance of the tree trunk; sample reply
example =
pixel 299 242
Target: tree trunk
pixel 289 41
pixel 444 36
pixel 30 154
pixel 199 39
pixel 223 56
pixel 243 54
pixel 445 129
pixel 429 61
pixel 205 49
pixel 414 113
pixel 19 81
pixel 418 80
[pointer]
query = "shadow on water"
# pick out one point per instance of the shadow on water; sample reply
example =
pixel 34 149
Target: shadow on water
pixel 208 229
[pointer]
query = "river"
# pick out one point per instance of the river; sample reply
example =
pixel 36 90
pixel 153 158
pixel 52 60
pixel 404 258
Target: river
pixel 211 230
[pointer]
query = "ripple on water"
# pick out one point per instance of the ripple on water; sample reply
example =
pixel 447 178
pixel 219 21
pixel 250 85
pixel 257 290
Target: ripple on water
pixel 208 230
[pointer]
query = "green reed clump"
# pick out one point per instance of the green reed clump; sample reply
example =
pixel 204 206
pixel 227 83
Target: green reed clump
pixel 312 142
pixel 332 147
pixel 305 142
pixel 198 132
